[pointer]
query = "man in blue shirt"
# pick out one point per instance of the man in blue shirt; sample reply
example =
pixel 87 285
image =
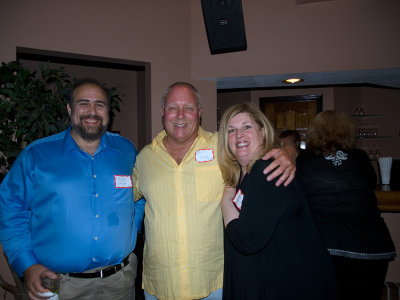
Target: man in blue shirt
pixel 67 206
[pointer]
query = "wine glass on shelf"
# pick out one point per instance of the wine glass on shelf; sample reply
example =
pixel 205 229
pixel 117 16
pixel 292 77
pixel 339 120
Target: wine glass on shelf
pixel 371 153
pixel 355 111
pixel 374 129
pixel 377 152
pixel 367 129
pixel 361 109
pixel 362 129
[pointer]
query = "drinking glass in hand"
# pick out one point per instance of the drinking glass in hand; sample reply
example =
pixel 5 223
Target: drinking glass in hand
pixel 51 284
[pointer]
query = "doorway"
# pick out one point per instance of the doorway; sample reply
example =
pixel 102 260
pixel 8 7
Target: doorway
pixel 291 112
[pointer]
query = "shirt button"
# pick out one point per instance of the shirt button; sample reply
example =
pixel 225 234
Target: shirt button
pixel 97 215
pixel 96 238
pixel 182 243
pixel 183 268
pixel 94 259
pixel 96 195
pixel 179 193
pixel 94 176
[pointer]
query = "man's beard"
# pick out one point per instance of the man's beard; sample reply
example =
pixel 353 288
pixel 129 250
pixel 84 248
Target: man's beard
pixel 86 135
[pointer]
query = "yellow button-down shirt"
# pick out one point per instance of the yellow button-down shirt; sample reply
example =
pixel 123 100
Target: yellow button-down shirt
pixel 183 251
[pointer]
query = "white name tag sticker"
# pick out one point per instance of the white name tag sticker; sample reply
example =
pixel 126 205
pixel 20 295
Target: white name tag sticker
pixel 204 155
pixel 123 181
pixel 238 200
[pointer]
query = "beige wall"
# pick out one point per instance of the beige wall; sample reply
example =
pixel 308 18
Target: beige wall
pixel 286 38
pixel 327 36
pixel 153 31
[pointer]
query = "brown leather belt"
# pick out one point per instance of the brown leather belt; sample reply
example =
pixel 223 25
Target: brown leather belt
pixel 102 273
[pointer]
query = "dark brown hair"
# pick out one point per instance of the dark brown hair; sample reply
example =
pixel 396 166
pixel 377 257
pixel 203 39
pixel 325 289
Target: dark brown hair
pixel 330 131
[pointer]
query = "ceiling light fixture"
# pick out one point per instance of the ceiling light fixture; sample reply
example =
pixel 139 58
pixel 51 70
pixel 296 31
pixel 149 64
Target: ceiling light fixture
pixel 293 80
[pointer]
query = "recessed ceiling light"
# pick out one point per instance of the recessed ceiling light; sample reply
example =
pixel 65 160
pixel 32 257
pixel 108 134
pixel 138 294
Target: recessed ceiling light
pixel 293 80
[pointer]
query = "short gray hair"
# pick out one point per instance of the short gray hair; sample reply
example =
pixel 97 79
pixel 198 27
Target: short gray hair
pixel 181 83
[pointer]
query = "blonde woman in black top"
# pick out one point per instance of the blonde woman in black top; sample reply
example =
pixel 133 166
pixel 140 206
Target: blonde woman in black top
pixel 272 247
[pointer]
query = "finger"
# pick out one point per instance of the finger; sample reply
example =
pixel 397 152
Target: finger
pixel 280 180
pixel 276 173
pixel 35 296
pixel 286 173
pixel 50 274
pixel 278 166
pixel 290 178
pixel 37 288
pixel 268 155
pixel 275 164
pixel 272 166
pixel 273 153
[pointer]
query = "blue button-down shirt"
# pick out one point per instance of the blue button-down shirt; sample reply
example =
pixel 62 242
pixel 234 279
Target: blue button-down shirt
pixel 66 209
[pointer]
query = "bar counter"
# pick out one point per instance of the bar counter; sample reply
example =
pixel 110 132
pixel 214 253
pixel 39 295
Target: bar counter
pixel 388 198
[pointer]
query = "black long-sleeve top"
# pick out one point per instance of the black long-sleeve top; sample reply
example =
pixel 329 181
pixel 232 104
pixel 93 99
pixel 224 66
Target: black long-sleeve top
pixel 273 250
pixel 341 188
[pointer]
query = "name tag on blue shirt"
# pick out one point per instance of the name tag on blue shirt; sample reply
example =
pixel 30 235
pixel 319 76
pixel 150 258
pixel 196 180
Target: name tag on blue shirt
pixel 123 181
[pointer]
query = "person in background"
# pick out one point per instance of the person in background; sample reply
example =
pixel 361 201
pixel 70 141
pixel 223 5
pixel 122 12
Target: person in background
pixel 179 177
pixel 290 137
pixel 272 247
pixel 340 182
pixel 66 206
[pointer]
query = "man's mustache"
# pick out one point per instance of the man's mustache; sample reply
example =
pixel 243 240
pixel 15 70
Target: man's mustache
pixel 91 117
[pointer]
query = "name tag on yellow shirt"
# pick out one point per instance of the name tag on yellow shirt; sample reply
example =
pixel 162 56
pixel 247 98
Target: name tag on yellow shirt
pixel 204 155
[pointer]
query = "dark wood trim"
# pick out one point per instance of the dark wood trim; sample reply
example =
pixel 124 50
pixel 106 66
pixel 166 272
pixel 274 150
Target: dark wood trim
pixel 304 87
pixel 294 98
pixel 79 59
pixel 388 200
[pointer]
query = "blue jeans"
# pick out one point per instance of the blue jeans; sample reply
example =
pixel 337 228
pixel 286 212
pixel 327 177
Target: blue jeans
pixel 217 295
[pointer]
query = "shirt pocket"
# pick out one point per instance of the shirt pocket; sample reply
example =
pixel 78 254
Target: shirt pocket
pixel 209 184
pixel 123 195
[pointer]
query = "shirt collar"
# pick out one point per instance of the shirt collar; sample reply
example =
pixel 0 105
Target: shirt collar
pixel 70 144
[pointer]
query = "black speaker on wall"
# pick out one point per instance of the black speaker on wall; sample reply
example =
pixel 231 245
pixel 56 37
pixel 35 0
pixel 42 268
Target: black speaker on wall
pixel 224 25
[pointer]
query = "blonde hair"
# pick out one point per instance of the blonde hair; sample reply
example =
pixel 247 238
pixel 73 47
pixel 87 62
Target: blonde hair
pixel 330 131
pixel 228 163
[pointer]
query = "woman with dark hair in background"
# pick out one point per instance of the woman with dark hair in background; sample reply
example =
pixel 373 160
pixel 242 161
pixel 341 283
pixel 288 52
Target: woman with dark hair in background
pixel 340 183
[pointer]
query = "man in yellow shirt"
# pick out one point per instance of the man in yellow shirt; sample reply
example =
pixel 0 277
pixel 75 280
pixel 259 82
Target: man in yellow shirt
pixel 179 176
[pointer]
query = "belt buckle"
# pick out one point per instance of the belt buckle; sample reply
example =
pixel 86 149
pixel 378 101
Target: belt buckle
pixel 108 271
